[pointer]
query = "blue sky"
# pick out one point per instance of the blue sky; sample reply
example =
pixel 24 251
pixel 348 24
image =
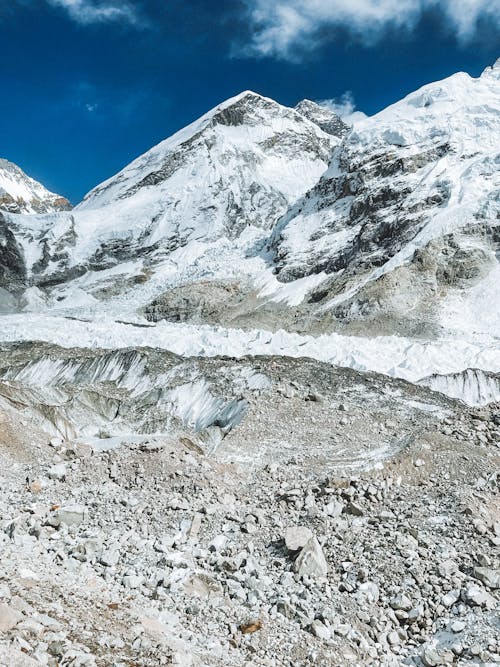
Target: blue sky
pixel 87 85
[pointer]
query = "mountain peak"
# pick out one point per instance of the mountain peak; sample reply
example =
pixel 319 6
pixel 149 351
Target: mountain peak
pixel 241 109
pixel 19 193
pixel 327 120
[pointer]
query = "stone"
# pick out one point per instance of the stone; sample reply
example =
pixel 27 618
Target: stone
pixel 476 596
pixel 354 509
pixel 109 557
pixel 71 515
pixel 369 592
pixel 36 486
pixel 202 585
pixel 431 657
pixel 450 598
pixel 447 568
pixel 195 526
pixel 311 560
pixel 132 580
pixel 296 537
pixel 334 508
pixel 457 626
pixel 319 630
pixel 415 613
pixel 489 576
pixel 218 543
pixel 393 638
pixel 58 472
pixel 9 618
pixel 401 601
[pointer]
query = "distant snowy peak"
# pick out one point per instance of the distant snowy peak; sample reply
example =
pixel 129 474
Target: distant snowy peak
pixel 247 133
pixel 493 70
pixel 21 194
pixel 326 119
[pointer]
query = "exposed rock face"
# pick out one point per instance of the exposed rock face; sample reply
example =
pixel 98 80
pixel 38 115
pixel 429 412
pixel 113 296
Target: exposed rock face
pixel 12 264
pixel 419 179
pixel 327 120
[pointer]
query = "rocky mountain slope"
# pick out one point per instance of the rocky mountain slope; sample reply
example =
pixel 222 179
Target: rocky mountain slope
pixel 406 218
pixel 250 396
pixel 264 511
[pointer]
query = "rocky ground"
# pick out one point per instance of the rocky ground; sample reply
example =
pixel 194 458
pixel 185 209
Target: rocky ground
pixel 360 528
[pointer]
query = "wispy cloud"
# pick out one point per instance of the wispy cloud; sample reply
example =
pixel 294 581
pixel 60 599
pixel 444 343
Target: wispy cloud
pixel 86 12
pixel 344 107
pixel 279 27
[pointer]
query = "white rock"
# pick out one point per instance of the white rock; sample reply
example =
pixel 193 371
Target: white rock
pixel 447 568
pixel 450 598
pixel 401 601
pixel 72 515
pixel 132 580
pixel 9 618
pixel 110 557
pixel 58 472
pixel 475 595
pixel 457 626
pixel 218 543
pixel 320 630
pixel 296 537
pixel 489 577
pixel 431 657
pixel 311 561
pixel 334 508
pixel 369 592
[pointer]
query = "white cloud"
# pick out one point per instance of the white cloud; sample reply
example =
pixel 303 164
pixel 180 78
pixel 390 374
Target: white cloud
pixel 280 26
pixel 344 107
pixel 98 11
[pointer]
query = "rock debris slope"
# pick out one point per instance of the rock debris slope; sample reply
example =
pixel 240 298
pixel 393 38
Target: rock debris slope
pixel 250 395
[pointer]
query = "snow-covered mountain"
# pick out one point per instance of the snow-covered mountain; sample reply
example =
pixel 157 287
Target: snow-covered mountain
pixel 21 194
pixel 406 218
pixel 238 168
pixel 263 217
